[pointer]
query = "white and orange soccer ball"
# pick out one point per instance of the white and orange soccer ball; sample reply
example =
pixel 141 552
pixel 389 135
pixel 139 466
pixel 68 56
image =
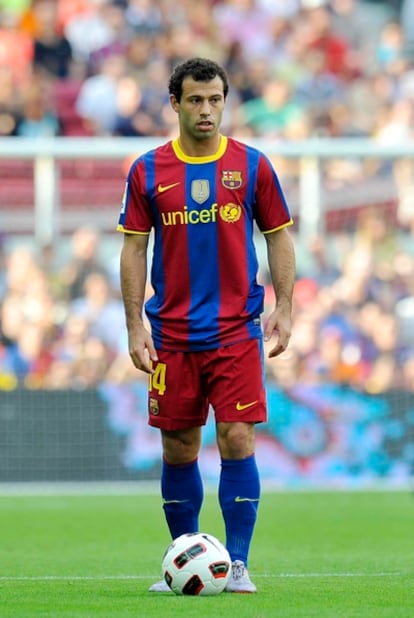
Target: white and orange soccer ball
pixel 196 564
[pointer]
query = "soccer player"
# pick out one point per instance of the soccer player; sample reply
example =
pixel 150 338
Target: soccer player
pixel 202 193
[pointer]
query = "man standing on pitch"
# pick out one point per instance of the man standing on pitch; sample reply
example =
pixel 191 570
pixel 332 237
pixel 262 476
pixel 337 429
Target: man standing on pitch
pixel 202 193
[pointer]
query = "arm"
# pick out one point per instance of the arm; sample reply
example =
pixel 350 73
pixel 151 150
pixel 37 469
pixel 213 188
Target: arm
pixel 281 260
pixel 133 270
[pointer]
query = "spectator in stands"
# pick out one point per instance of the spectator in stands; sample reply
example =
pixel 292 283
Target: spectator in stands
pixel 66 350
pixel 139 52
pixel 270 114
pixel 144 16
pixel 88 30
pixel 59 376
pixel 34 354
pixel 8 102
pixel 12 367
pixel 140 109
pixel 154 99
pixel 244 21
pixel 317 89
pixel 338 359
pixel 131 119
pixel 377 13
pixel 52 50
pixel 70 9
pixel 374 234
pixel 291 66
pixel 318 263
pixel 96 103
pixel 20 267
pixel 92 364
pixel 83 260
pixel 337 55
pixel 79 359
pixel 27 319
pixel 121 35
pixel 38 118
pixel 102 311
pixel 390 48
pixel 16 49
pixel 349 22
pixel 237 69
pixel 407 22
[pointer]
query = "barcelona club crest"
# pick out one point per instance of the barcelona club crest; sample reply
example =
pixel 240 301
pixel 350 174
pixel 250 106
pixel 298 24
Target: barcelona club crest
pixel 231 179
pixel 200 191
pixel 153 406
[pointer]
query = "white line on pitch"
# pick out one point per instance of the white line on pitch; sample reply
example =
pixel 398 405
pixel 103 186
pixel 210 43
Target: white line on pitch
pixel 45 578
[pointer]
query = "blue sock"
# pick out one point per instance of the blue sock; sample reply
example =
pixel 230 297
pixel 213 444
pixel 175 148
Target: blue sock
pixel 239 493
pixel 182 493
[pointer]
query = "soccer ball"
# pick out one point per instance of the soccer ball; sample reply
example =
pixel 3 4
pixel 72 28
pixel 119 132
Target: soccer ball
pixel 196 564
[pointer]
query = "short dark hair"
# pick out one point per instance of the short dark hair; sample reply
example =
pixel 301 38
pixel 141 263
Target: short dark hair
pixel 201 70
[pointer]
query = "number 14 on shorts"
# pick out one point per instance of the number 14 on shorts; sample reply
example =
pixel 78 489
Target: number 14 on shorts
pixel 157 379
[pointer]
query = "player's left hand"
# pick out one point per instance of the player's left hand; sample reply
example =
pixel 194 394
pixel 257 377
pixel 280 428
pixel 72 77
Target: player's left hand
pixel 279 323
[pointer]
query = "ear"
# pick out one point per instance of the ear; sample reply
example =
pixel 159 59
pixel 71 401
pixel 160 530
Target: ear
pixel 174 103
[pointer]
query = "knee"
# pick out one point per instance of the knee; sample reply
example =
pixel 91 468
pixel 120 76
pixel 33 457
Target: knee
pixel 180 449
pixel 235 440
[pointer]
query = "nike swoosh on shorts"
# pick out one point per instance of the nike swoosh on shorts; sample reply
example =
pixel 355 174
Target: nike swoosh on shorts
pixel 243 406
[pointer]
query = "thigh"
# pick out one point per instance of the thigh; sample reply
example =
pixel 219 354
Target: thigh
pixel 175 397
pixel 235 382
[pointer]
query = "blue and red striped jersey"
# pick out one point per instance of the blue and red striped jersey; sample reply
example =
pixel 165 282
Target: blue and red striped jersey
pixel 204 266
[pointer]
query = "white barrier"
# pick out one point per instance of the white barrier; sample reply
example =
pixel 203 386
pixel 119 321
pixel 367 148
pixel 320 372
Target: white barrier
pixel 45 154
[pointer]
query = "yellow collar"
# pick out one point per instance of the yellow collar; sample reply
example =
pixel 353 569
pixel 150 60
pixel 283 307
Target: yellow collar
pixel 183 157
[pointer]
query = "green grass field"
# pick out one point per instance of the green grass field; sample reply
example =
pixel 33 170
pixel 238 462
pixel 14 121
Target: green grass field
pixel 324 555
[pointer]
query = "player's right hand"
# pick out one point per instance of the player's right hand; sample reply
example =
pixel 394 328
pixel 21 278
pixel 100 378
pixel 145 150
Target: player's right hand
pixel 141 349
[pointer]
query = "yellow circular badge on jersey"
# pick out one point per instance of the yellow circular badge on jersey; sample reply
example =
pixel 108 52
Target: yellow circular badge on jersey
pixel 230 213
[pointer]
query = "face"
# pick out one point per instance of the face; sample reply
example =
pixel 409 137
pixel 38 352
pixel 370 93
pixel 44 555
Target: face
pixel 200 109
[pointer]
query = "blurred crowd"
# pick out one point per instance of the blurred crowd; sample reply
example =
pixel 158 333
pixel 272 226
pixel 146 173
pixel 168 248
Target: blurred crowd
pixel 62 322
pixel 297 67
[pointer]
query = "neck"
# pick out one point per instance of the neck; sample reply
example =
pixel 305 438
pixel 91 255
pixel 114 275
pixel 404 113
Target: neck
pixel 202 148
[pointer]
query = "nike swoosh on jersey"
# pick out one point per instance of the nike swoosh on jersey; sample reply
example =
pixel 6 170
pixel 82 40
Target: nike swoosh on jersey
pixel 162 188
pixel 240 499
pixel 243 406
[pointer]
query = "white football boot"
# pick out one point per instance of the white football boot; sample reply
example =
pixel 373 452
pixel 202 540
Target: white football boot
pixel 239 579
pixel 160 586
